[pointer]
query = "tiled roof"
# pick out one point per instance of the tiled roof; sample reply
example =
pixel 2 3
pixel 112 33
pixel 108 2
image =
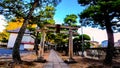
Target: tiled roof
pixel 17 30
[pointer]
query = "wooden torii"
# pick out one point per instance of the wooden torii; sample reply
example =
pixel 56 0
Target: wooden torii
pixel 70 32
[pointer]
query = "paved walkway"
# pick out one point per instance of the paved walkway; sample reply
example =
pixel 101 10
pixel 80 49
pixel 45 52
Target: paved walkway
pixel 54 61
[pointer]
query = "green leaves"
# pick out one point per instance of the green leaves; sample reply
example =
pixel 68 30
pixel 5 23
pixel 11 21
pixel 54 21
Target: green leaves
pixel 20 8
pixel 14 8
pixel 81 40
pixel 85 37
pixel 70 20
pixel 84 2
pixel 98 11
pixel 46 16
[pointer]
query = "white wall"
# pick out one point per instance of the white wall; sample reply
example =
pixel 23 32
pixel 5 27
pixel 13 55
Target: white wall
pixel 28 46
pixel 11 40
pixel 25 41
pixel 27 38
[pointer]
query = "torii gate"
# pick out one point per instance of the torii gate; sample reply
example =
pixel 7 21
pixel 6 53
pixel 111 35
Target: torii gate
pixel 44 30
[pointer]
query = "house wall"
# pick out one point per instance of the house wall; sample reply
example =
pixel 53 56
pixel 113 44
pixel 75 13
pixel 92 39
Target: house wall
pixel 11 40
pixel 28 46
pixel 104 43
pixel 27 41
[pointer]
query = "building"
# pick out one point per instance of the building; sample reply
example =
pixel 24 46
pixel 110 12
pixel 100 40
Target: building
pixel 117 44
pixel 95 44
pixel 27 40
pixel 105 43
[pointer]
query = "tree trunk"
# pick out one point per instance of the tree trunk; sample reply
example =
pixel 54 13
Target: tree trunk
pixel 110 48
pixel 16 53
pixel 36 44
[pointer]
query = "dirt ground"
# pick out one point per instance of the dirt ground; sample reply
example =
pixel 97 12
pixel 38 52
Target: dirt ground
pixel 28 62
pixel 83 62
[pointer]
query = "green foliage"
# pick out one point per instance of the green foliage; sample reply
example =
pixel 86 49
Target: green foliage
pixel 78 43
pixel 26 10
pixel 99 10
pixel 101 13
pixel 20 8
pixel 50 37
pixel 85 37
pixel 13 8
pixel 45 16
pixel 70 20
pixel 84 2
pixel 61 41
pixel 4 36
pixel 61 38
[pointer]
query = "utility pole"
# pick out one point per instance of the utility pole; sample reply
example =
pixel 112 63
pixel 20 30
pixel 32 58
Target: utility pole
pixel 82 38
pixel 82 42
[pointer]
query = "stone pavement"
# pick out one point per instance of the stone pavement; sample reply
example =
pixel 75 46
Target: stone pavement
pixel 54 61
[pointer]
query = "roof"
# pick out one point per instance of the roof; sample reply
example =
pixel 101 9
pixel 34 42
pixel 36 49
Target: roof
pixel 17 30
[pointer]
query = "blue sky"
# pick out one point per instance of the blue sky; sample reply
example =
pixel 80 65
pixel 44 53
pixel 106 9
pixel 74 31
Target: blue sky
pixel 67 7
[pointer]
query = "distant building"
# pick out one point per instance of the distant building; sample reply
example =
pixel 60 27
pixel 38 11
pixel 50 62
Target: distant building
pixel 27 40
pixel 95 44
pixel 105 43
pixel 116 44
pixel 119 42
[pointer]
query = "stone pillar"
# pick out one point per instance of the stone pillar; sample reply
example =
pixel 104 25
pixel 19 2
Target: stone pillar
pixel 70 59
pixel 41 47
pixel 70 44
pixel 42 43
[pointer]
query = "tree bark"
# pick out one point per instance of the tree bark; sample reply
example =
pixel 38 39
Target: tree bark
pixel 36 44
pixel 110 48
pixel 16 53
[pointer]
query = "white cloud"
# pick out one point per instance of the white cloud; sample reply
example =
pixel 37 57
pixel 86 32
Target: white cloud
pixel 98 34
pixel 3 22
pixel 58 21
